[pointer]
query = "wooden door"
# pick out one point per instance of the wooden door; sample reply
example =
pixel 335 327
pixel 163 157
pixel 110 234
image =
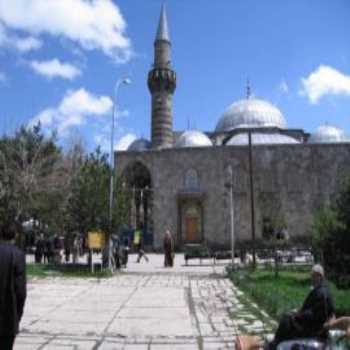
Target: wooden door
pixel 191 229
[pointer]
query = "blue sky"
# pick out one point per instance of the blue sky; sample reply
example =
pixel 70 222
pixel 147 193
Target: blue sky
pixel 60 59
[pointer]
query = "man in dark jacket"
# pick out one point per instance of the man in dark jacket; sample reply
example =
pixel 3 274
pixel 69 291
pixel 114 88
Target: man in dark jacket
pixel 12 287
pixel 308 322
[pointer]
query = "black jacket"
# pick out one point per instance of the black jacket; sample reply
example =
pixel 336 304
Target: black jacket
pixel 12 288
pixel 318 307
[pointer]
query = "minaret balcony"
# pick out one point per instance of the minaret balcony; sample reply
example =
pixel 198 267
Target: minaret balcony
pixel 162 79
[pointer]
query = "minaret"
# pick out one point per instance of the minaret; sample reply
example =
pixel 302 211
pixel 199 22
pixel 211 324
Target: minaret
pixel 162 83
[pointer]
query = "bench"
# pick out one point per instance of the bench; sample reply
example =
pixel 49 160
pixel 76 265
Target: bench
pixel 222 255
pixel 196 251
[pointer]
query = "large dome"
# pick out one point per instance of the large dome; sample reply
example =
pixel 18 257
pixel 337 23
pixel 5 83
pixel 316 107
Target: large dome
pixel 261 139
pixel 328 134
pixel 250 113
pixel 193 138
pixel 139 145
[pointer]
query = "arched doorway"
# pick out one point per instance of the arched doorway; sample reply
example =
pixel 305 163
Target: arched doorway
pixel 137 181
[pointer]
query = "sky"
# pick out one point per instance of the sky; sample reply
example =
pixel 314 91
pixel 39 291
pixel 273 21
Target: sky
pixel 60 61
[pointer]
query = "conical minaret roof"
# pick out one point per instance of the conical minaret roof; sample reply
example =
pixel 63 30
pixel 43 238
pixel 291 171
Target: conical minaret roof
pixel 163 32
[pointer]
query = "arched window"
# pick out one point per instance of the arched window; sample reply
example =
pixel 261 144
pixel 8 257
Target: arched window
pixel 191 180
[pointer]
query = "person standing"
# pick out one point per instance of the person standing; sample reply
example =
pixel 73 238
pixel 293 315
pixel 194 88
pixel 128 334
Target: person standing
pixel 67 248
pixel 168 246
pixel 125 252
pixel 39 249
pixel 75 249
pixel 13 288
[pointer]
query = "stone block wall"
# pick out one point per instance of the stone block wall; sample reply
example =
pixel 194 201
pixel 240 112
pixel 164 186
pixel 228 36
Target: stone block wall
pixel 293 180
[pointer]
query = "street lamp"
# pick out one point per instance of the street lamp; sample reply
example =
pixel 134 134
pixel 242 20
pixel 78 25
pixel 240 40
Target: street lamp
pixel 229 185
pixel 251 186
pixel 119 82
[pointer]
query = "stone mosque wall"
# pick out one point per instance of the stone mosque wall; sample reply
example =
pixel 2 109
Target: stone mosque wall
pixel 292 180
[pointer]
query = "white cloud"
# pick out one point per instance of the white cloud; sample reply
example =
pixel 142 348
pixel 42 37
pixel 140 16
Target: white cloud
pixel 26 44
pixel 283 87
pixel 73 110
pixel 324 81
pixel 55 68
pixel 96 24
pixel 124 142
pixel 21 44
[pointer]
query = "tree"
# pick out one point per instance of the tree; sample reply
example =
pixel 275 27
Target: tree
pixel 88 205
pixel 29 165
pixel 88 202
pixel 331 234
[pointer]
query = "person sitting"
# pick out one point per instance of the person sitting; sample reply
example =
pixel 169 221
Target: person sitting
pixel 308 322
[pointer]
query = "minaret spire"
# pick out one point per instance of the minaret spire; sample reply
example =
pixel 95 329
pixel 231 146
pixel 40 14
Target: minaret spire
pixel 163 31
pixel 162 84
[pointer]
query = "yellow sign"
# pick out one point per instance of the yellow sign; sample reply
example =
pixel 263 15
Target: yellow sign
pixel 96 240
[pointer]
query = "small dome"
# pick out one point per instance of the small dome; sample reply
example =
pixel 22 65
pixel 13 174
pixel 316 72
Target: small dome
pixel 261 139
pixel 328 134
pixel 193 138
pixel 139 145
pixel 251 113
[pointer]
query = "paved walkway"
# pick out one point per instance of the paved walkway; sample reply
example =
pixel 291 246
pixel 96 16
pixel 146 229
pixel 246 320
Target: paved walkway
pixel 144 307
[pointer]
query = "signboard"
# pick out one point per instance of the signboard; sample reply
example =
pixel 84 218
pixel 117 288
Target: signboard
pixel 96 240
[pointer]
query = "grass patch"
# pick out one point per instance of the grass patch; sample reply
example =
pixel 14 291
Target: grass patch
pixel 66 270
pixel 284 293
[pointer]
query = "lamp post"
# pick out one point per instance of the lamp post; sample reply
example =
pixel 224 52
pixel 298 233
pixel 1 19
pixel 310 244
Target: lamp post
pixel 119 82
pixel 229 185
pixel 251 186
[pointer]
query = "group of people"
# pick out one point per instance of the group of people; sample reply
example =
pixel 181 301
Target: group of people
pixel 51 250
pixel 120 252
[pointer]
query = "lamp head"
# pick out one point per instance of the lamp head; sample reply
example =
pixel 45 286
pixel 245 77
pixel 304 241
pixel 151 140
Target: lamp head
pixel 126 81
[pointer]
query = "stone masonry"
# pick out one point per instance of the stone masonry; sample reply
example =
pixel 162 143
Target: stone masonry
pixel 295 180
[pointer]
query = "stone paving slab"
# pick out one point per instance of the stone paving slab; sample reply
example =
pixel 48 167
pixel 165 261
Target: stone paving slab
pixel 144 307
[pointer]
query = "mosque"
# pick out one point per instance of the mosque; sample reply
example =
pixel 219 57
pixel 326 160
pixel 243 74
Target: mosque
pixel 203 185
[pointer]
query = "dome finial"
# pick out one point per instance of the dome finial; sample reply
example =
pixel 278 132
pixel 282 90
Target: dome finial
pixel 248 89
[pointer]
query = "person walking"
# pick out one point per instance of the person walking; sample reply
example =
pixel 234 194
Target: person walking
pixel 138 244
pixel 168 245
pixel 13 289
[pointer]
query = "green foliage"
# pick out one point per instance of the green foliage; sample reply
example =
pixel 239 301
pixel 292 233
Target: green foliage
pixel 284 293
pixel 80 271
pixel 88 205
pixel 331 236
pixel 325 224
pixel 28 163
pixel 63 192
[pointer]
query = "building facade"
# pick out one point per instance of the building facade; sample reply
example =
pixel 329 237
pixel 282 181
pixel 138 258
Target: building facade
pixel 181 180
